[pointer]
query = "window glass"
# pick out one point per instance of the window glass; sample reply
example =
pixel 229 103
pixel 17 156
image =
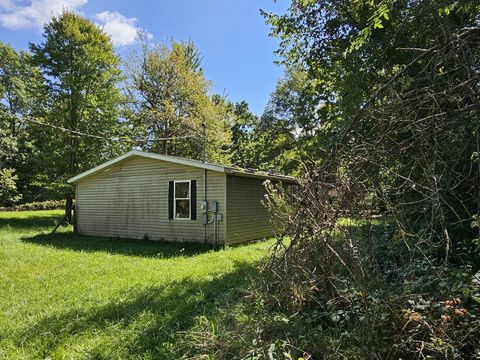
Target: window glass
pixel 182 208
pixel 182 190
pixel 182 200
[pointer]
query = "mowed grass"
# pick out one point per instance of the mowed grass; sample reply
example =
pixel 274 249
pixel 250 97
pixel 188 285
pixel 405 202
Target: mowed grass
pixel 67 296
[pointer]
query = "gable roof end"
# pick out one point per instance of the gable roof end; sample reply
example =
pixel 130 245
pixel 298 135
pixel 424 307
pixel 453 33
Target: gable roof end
pixel 172 159
pixel 177 160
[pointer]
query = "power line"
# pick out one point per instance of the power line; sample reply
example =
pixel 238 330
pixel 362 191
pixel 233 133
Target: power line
pixel 119 138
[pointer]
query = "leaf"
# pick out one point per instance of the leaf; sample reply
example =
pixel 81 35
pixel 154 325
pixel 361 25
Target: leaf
pixel 307 2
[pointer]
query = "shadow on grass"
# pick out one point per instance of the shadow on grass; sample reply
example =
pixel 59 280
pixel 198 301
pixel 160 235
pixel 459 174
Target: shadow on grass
pixel 29 222
pixel 133 247
pixel 152 322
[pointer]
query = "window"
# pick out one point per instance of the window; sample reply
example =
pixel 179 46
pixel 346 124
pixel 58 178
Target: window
pixel 181 200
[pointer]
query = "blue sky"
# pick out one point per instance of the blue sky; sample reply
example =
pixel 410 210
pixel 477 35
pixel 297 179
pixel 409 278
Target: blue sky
pixel 231 34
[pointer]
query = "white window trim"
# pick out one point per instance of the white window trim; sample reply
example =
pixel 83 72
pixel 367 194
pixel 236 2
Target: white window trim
pixel 189 199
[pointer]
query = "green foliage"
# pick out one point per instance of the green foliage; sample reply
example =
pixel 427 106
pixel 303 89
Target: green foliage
pixel 390 103
pixel 287 133
pixel 243 147
pixel 21 94
pixel 81 72
pixel 402 305
pixel 289 129
pixel 380 11
pixel 399 83
pixel 8 187
pixel 170 99
pixel 20 86
pixel 325 38
pixel 281 202
pixel 38 205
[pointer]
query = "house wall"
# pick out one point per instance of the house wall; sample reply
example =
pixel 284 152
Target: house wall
pixel 247 218
pixel 130 200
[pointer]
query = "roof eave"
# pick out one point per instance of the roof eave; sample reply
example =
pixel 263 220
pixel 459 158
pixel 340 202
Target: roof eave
pixel 129 154
pixel 280 178
pixel 100 167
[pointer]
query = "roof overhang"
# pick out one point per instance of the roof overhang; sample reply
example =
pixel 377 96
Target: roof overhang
pixel 281 178
pixel 133 153
pixel 183 161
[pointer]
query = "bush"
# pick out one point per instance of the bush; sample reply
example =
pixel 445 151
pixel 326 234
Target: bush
pixel 9 194
pixel 404 306
pixel 40 205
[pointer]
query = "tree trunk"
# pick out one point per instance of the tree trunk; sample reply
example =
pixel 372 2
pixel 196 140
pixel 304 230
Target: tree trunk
pixel 71 169
pixel 68 209
pixel 72 163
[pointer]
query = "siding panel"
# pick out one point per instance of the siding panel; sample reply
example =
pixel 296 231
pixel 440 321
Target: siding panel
pixel 247 219
pixel 130 200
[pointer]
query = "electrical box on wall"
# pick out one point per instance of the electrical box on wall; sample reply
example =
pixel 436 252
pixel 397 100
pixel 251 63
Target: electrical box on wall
pixel 204 206
pixel 204 218
pixel 213 206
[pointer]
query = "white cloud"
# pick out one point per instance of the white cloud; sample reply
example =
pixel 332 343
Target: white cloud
pixel 123 30
pixel 21 14
pixel 35 13
pixel 6 4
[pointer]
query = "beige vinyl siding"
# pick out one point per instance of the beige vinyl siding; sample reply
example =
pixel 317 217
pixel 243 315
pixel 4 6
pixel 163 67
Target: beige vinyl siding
pixel 247 218
pixel 130 200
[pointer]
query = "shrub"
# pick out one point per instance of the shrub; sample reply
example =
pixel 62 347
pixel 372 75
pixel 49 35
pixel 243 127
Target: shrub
pixel 9 194
pixel 40 205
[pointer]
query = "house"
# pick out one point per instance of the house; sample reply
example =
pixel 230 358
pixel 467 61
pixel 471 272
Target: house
pixel 160 197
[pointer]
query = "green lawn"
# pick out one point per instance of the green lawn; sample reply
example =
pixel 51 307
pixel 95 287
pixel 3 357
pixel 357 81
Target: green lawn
pixel 65 296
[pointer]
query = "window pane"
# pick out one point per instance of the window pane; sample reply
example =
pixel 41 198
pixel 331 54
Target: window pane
pixel 181 190
pixel 182 208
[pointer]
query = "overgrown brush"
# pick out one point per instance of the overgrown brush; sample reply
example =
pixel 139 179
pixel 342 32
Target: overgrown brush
pixel 403 284
pixel 37 205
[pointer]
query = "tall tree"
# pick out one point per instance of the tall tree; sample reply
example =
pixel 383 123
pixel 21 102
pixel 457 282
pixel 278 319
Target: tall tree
pixel 401 83
pixel 81 70
pixel 244 123
pixel 21 95
pixel 172 101
pixel 288 130
pixel 389 62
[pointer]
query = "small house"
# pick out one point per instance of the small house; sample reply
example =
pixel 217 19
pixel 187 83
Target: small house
pixel 160 197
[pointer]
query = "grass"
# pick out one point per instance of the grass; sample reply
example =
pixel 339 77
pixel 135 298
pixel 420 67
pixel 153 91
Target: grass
pixel 66 296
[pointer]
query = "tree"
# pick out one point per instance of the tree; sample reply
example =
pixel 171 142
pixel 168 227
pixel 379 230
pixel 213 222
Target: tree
pixel 9 194
pixel 371 95
pixel 286 133
pixel 400 82
pixel 264 143
pixel 171 101
pixel 81 71
pixel 337 44
pixel 289 128
pixel 243 126
pixel 21 94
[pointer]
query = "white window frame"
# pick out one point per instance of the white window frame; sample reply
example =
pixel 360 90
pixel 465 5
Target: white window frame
pixel 175 199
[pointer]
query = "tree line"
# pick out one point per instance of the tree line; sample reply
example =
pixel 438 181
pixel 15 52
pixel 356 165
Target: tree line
pixel 70 103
